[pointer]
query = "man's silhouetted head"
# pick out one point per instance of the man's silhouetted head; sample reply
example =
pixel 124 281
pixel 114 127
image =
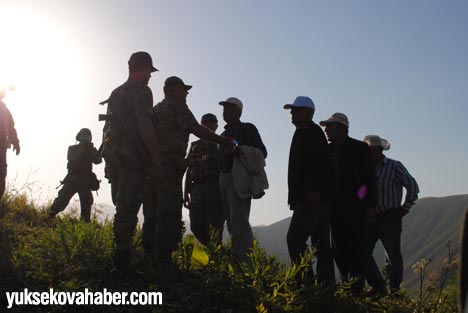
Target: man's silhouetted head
pixel 210 121
pixel 336 127
pixel 302 110
pixel 176 88
pixel 140 66
pixel 232 109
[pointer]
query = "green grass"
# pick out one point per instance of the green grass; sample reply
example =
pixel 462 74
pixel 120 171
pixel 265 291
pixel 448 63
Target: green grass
pixel 69 255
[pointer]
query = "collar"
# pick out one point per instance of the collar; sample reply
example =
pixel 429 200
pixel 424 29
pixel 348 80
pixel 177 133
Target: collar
pixel 344 142
pixel 172 99
pixel 306 125
pixel 232 126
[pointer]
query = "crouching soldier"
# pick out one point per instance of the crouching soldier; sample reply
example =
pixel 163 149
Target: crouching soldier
pixel 80 178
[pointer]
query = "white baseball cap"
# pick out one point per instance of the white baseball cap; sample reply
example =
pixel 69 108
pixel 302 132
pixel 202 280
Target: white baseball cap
pixel 232 100
pixel 301 102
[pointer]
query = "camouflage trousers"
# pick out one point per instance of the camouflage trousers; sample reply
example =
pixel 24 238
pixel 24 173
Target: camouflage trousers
pixel 149 214
pixel 3 171
pixel 65 194
pixel 206 212
pixel 130 191
pixel 168 225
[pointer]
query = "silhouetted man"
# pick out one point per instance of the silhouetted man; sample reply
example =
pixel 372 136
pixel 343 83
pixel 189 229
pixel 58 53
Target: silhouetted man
pixel 8 138
pixel 80 178
pixel 354 201
pixel 392 177
pixel 201 192
pixel 130 149
pixel 174 122
pixel 310 182
pixel 237 208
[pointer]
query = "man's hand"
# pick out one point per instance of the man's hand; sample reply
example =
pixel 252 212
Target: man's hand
pixel 187 200
pixel 398 213
pixel 16 148
pixel 229 146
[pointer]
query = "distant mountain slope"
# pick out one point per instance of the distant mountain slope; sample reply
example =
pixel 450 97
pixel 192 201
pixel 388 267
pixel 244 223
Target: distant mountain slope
pixel 431 223
pixel 427 229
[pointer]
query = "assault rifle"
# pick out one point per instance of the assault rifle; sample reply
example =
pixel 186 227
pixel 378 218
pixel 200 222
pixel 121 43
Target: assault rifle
pixel 132 133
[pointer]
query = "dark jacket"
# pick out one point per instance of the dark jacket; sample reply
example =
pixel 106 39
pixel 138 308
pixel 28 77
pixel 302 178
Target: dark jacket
pixel 310 167
pixel 80 162
pixel 246 134
pixel 354 176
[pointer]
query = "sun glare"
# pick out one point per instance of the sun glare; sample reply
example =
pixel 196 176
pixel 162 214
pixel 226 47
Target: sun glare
pixel 37 57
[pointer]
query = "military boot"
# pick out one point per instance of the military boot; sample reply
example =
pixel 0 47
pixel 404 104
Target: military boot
pixel 148 248
pixel 122 268
pixel 121 262
pixel 162 261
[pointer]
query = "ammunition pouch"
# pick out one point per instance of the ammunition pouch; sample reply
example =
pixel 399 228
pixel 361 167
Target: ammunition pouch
pixel 93 182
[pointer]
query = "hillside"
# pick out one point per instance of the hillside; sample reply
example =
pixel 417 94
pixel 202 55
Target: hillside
pixel 427 229
pixel 69 255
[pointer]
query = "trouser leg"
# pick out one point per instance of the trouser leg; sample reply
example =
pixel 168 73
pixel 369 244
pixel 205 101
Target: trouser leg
pixel 239 211
pixel 357 256
pixel 86 201
pixel 149 214
pixel 199 223
pixel 215 211
pixel 129 199
pixel 325 264
pixel 3 174
pixel 349 249
pixel 224 201
pixel 340 246
pixel 64 196
pixel 391 239
pixel 168 232
pixel 373 275
pixel 300 229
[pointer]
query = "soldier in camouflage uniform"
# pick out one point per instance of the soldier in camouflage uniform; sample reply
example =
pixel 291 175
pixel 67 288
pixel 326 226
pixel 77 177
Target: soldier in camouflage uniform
pixel 130 149
pixel 174 122
pixel 201 192
pixel 8 138
pixel 80 178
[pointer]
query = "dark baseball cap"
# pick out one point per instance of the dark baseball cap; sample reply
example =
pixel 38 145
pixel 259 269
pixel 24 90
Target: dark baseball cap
pixel 209 117
pixel 141 58
pixel 175 81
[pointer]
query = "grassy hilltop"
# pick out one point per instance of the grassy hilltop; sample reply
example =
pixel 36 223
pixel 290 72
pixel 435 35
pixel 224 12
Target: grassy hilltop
pixel 69 255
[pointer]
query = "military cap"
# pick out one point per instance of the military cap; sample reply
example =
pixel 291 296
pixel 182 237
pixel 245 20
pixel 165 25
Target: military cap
pixel 141 58
pixel 175 81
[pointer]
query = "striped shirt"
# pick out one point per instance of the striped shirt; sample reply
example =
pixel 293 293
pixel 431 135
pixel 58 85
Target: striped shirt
pixel 392 176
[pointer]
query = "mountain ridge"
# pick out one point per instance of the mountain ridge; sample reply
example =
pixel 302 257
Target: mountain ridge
pixel 427 229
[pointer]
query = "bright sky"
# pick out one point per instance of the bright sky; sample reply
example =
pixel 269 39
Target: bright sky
pixel 397 68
